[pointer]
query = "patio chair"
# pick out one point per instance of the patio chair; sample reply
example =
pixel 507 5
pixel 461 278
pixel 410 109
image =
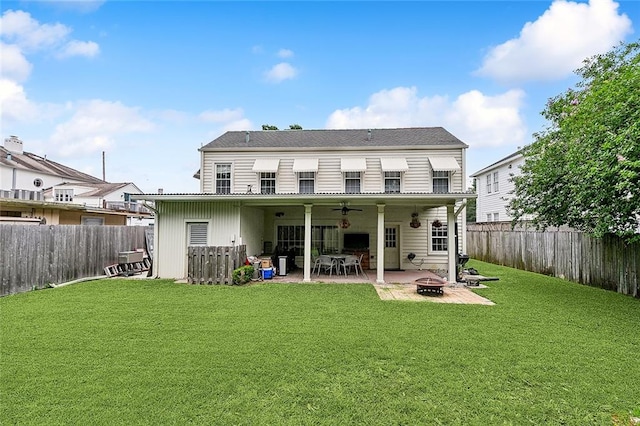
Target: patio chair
pixel 351 261
pixel 324 263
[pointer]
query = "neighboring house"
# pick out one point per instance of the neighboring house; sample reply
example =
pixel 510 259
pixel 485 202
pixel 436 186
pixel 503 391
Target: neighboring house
pixel 34 189
pixel 495 188
pixel 394 195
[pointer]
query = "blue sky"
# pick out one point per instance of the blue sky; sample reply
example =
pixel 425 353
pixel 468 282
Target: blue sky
pixel 149 82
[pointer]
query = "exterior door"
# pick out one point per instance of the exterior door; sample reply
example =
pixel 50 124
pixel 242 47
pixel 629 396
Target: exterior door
pixel 391 247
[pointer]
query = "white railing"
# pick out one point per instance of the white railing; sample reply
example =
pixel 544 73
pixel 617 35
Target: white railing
pixel 22 194
pixel 127 206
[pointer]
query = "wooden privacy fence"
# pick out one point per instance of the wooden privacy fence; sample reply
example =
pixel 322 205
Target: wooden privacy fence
pixel 607 263
pixel 214 265
pixel 32 257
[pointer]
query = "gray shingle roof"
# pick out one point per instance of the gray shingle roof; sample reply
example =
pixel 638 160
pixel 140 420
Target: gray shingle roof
pixel 352 138
pixel 33 162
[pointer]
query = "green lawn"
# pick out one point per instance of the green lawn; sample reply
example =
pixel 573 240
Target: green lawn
pixel 154 352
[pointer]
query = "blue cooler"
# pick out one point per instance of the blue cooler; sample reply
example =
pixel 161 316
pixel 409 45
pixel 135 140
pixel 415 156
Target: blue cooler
pixel 267 273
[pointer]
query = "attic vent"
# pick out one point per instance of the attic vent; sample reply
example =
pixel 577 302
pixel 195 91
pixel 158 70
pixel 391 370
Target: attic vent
pixel 369 134
pixel 198 234
pixel 246 137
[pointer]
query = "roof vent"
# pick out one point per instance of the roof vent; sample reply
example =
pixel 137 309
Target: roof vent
pixel 246 137
pixel 369 134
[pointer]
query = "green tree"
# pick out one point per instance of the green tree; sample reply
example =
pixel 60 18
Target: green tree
pixel 295 127
pixel 472 204
pixel 269 127
pixel 583 169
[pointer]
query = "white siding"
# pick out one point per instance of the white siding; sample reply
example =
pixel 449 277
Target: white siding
pixel 329 178
pixel 171 236
pixel 490 203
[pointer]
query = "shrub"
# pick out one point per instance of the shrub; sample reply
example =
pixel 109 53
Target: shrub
pixel 242 275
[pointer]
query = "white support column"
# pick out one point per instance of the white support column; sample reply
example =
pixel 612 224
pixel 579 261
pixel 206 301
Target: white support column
pixel 451 244
pixel 307 243
pixel 380 249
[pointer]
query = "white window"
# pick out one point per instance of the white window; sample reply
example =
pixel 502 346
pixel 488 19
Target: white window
pixel 324 239
pixel 267 183
pixel 63 195
pixel 197 233
pixel 392 182
pixel 438 236
pixel 352 182
pixel 489 217
pixel 92 220
pixel 496 217
pixel 440 182
pixel 306 182
pixel 495 182
pixel 489 183
pixel 223 178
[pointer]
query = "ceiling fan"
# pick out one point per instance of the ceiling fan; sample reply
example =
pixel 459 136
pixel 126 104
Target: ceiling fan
pixel 345 210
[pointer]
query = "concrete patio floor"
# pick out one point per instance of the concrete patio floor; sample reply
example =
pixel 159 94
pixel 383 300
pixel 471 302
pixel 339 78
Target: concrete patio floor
pixel 399 285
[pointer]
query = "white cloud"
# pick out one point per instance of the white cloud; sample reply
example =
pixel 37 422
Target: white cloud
pixel 222 116
pixel 15 105
pixel 95 125
pixel 18 108
pixel 285 53
pixel 13 64
pixel 557 42
pixel 21 29
pixel 280 72
pixel 477 119
pixel 18 28
pixel 79 48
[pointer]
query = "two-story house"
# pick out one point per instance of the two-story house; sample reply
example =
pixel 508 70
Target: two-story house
pixel 35 189
pixel 395 195
pixel 495 187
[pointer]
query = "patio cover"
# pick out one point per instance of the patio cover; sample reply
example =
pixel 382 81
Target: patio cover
pixel 394 164
pixel 305 165
pixel 353 164
pixel 266 165
pixel 444 164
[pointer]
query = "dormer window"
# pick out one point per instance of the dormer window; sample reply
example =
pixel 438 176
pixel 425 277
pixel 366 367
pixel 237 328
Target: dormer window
pixel 63 195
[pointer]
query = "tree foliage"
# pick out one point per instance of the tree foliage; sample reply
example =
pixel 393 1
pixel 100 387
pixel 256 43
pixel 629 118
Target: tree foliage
pixel 583 169
pixel 269 127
